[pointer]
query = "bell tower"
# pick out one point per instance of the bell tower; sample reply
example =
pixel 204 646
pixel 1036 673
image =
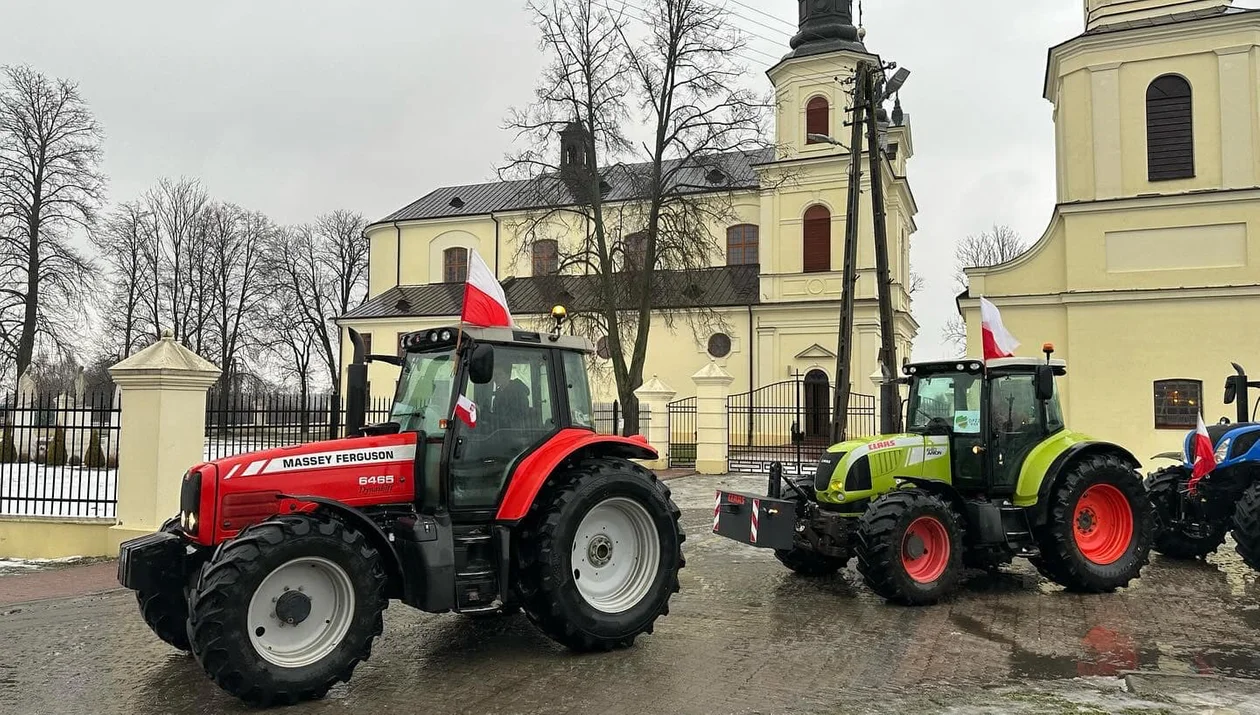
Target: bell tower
pixel 825 26
pixel 1100 14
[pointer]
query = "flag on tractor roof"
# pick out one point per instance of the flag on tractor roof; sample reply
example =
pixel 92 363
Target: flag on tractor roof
pixel 466 411
pixel 1204 457
pixel 998 341
pixel 485 304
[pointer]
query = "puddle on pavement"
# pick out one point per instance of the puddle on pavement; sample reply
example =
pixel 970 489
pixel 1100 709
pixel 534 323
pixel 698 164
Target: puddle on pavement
pixel 1106 652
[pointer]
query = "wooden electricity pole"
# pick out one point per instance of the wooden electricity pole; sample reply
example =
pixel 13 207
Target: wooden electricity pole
pixel 889 395
pixel 844 351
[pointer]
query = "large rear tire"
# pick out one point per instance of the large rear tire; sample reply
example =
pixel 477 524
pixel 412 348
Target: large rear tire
pixel 1247 526
pixel 599 554
pixel 1100 527
pixel 1174 536
pixel 909 547
pixel 165 609
pixel 287 609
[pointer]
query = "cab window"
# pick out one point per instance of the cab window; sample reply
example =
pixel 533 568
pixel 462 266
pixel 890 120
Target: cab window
pixel 578 390
pixel 949 399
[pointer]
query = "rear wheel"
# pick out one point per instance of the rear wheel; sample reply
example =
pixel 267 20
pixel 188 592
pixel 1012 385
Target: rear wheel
pixel 909 547
pixel 287 609
pixel 1247 526
pixel 165 609
pixel 1100 527
pixel 600 554
pixel 1178 534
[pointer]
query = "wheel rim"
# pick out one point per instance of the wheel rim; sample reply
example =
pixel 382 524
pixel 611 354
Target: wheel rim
pixel 925 549
pixel 615 556
pixel 1103 524
pixel 300 612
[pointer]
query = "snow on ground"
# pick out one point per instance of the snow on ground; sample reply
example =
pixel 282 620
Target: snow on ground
pixel 12 566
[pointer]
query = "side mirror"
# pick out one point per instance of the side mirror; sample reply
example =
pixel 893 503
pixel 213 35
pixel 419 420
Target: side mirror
pixel 481 364
pixel 1231 391
pixel 1045 382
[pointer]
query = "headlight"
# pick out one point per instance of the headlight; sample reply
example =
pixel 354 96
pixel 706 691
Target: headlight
pixel 1222 450
pixel 190 502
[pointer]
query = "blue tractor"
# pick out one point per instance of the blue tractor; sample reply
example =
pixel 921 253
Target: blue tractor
pixel 1192 526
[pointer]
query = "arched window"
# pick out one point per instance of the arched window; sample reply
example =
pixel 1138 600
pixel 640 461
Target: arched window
pixel 817 118
pixel 546 258
pixel 1169 129
pixel 455 265
pixel 817 247
pixel 741 245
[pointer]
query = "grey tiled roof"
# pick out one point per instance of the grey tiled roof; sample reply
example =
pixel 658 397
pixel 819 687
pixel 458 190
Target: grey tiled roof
pixel 708 288
pixel 1169 19
pixel 624 184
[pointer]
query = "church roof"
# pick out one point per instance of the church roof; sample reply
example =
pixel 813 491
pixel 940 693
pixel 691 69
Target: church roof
pixel 626 182
pixel 1169 19
pixel 723 286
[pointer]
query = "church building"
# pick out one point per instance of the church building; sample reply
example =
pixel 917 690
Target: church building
pixel 1150 267
pixel 773 290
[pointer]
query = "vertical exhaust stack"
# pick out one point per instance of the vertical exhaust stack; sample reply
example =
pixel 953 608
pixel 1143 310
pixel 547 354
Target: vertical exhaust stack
pixel 356 386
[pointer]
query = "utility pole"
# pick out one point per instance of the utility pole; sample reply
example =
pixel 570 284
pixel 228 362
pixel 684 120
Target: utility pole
pixel 844 351
pixel 889 395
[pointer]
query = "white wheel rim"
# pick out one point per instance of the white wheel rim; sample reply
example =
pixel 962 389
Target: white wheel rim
pixel 616 554
pixel 311 581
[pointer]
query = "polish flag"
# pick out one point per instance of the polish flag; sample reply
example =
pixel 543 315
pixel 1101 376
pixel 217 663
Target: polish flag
pixel 484 301
pixel 998 342
pixel 1204 457
pixel 466 411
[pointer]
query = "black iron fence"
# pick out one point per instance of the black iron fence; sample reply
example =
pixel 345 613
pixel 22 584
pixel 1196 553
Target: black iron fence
pixel 610 418
pixel 239 423
pixel 789 422
pixel 59 455
pixel 682 433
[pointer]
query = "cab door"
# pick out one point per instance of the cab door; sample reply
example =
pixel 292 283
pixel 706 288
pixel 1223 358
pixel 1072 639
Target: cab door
pixel 1017 422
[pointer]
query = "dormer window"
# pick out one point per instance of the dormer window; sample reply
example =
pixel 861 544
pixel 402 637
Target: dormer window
pixel 715 176
pixel 457 203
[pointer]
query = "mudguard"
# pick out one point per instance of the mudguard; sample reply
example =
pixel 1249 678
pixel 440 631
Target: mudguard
pixel 532 470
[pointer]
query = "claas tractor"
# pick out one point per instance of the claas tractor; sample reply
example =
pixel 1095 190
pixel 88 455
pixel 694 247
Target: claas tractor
pixel 277 569
pixel 986 471
pixel 1194 523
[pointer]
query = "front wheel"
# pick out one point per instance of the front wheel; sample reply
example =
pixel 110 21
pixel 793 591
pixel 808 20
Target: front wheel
pixel 165 609
pixel 1100 527
pixel 1178 535
pixel 909 547
pixel 1247 526
pixel 287 609
pixel 600 554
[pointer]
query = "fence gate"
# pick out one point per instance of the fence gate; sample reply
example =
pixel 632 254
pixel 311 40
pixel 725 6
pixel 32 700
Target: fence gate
pixel 789 422
pixel 682 433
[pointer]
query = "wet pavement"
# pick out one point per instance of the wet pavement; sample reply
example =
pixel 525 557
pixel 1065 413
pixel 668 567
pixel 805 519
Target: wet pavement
pixel 743 636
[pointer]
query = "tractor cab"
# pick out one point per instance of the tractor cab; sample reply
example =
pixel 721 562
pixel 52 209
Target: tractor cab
pixel 993 414
pixel 521 388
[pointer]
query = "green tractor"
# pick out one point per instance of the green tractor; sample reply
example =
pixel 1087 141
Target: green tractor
pixel 986 471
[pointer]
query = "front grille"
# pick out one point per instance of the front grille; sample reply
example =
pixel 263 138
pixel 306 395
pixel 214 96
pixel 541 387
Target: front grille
pixel 826 466
pixel 859 477
pixel 190 501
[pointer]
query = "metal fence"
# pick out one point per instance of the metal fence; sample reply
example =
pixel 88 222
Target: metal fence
pixel 239 423
pixel 610 419
pixel 789 422
pixel 59 455
pixel 682 433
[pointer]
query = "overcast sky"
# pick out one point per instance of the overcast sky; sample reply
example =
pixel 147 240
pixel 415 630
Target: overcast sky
pixel 297 107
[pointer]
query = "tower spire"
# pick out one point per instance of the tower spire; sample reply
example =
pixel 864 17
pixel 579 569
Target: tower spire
pixel 826 26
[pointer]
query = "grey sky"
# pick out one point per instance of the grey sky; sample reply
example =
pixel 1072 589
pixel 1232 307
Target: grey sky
pixel 299 107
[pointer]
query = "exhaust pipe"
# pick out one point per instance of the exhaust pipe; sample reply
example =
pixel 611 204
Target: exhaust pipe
pixel 356 386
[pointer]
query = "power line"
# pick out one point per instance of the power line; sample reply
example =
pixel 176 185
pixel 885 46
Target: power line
pixel 763 12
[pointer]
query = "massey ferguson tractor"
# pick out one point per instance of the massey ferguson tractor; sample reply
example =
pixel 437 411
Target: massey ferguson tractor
pixel 986 472
pixel 1193 523
pixel 278 567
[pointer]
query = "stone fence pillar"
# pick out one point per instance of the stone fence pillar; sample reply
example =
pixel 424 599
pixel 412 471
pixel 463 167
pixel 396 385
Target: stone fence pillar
pixel 163 427
pixel 713 385
pixel 656 395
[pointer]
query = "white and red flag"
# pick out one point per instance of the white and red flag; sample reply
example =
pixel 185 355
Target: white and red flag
pixel 466 411
pixel 485 304
pixel 998 341
pixel 1204 457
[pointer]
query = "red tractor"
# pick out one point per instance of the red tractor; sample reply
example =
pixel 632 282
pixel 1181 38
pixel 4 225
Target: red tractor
pixel 278 568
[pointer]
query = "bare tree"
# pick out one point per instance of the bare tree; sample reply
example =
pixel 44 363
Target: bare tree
pixel 122 242
pixel 319 272
pixel 50 149
pixel 989 248
pixel 233 275
pixel 680 83
pixel 176 208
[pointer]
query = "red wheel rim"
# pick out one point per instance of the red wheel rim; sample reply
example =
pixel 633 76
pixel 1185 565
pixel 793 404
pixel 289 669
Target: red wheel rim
pixel 925 549
pixel 1103 524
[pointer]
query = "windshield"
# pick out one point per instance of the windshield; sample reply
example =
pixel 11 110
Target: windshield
pixel 423 400
pixel 953 399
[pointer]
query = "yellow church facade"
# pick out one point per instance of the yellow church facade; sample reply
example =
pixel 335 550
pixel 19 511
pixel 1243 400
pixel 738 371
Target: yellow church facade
pixel 1149 270
pixel 768 307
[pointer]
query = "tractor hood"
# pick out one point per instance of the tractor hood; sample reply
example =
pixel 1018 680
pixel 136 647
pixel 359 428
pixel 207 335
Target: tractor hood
pixel 858 469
